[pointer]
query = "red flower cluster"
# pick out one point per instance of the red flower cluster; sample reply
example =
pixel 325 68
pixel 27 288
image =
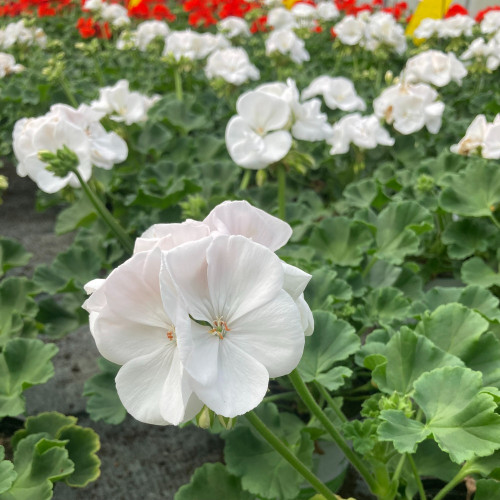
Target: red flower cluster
pixel 152 9
pixel 89 28
pixel 350 7
pixel 398 10
pixel 208 12
pixel 456 10
pixel 480 15
pixel 41 8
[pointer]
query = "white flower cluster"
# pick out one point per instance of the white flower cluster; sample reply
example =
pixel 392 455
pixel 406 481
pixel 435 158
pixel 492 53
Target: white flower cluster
pixel 8 65
pixel 145 33
pixel 79 130
pixel 491 22
pixel 301 15
pixel 123 105
pixel 114 13
pixel 231 64
pixel 485 52
pixel 232 27
pixel 372 32
pixel 192 45
pixel 203 313
pixel 261 132
pixel 19 33
pixel 285 41
pixel 451 27
pixel 482 138
pixel 434 67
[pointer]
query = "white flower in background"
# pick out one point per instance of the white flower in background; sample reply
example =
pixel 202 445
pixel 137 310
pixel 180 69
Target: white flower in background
pixel 93 5
pixel 410 107
pixel 455 26
pixel 19 33
pixel 307 121
pixel 435 67
pixel 50 132
pixel 481 137
pixel 351 30
pixel 304 14
pixel 192 45
pixel 286 42
pixel 338 93
pixel 106 148
pixel 116 14
pixel 147 31
pixel 232 27
pixel 122 104
pixel 281 18
pixel 327 11
pixel 240 326
pixel 134 325
pixel 491 22
pixel 480 50
pixel 427 28
pixel 254 137
pixel 362 131
pixel 8 65
pixel 232 64
pixel 382 29
pixel 474 137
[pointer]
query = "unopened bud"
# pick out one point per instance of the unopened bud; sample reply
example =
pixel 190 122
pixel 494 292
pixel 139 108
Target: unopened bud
pixel 205 418
pixel 226 422
pixel 4 182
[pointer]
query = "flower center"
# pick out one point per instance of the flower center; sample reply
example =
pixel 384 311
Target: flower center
pixel 220 328
pixel 171 333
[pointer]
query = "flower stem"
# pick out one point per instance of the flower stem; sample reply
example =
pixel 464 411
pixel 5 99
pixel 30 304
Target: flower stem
pixel 245 180
pixel 106 216
pixel 331 402
pixel 281 191
pixel 456 480
pixel 315 409
pixel 399 468
pixel 178 84
pixel 414 469
pixel 285 452
pixel 280 395
pixel 67 90
pixel 495 221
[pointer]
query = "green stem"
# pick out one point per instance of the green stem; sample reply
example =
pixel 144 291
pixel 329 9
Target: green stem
pixel 309 401
pixel 67 90
pixel 285 452
pixel 106 216
pixel 494 220
pixel 399 468
pixel 414 469
pixel 369 266
pixel 246 179
pixel 277 397
pixel 331 402
pixel 281 191
pixel 178 84
pixel 456 480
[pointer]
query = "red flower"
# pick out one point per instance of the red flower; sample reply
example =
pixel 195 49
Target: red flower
pixel 259 24
pixel 163 12
pixel 456 10
pixel 480 15
pixel 86 27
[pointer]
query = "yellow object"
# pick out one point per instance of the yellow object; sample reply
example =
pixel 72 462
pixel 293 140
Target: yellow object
pixel 290 3
pixel 133 3
pixel 435 9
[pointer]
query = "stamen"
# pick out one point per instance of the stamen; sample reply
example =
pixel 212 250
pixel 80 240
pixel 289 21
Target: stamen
pixel 171 333
pixel 220 328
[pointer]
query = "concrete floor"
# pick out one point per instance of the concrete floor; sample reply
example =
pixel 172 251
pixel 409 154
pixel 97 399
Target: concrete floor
pixel 139 461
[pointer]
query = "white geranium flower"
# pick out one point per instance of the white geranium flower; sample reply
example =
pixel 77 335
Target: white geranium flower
pixel 327 10
pixel 338 93
pixel 8 65
pixel 240 326
pixel 427 28
pixel 232 64
pixel 116 14
pixel 122 104
pixel 382 29
pixel 192 45
pixel 19 33
pixel 435 67
pixel 491 148
pixel 147 31
pixel 363 131
pixel 304 14
pixel 410 107
pixel 489 52
pixel 253 137
pixel 241 218
pixel 132 327
pixel 474 137
pixel 50 133
pixel 233 26
pixel 286 42
pixel 491 22
pixel 351 30
pixel 455 26
pixel 93 5
pixel 281 19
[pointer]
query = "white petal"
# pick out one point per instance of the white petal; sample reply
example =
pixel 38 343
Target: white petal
pixel 295 280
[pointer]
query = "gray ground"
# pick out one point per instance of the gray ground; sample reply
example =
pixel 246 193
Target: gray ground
pixel 139 461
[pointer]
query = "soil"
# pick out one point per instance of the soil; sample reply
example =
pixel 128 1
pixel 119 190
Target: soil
pixel 139 461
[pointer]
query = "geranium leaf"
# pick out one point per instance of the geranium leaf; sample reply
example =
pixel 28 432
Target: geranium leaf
pixel 333 340
pixel 472 192
pixel 7 472
pixel 325 288
pixel 401 430
pixel 81 213
pixel 362 433
pixel 341 241
pixel 212 481
pixel 483 356
pixel 12 254
pixel 487 489
pixel 398 225
pixel 467 236
pixel 361 194
pixel 453 328
pixel 476 272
